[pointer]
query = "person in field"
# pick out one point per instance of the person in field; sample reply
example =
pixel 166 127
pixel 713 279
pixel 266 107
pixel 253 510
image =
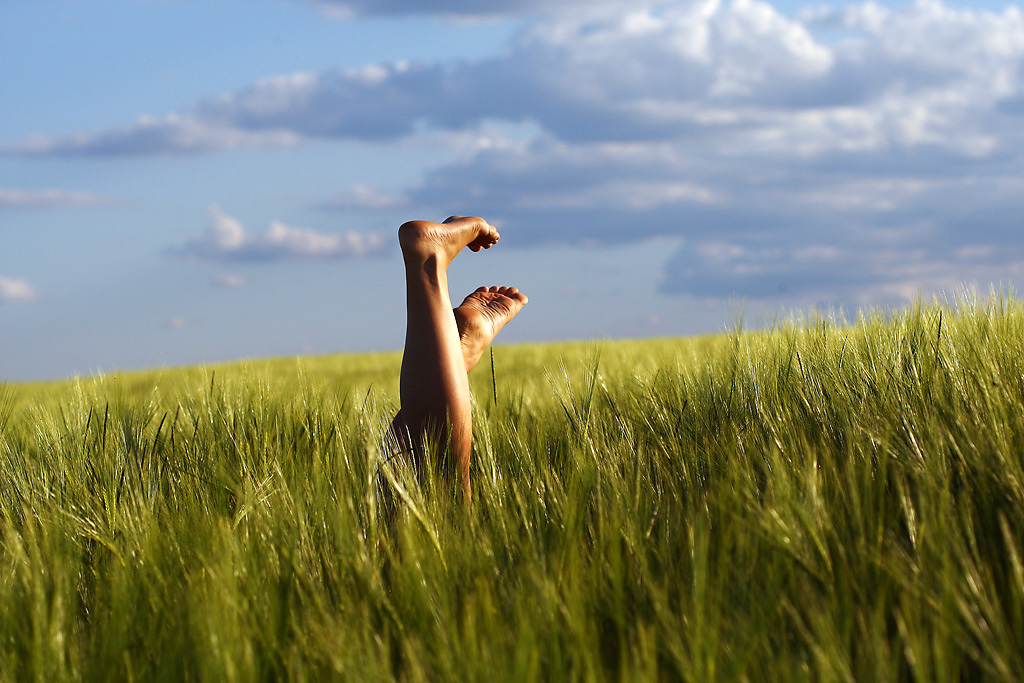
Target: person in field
pixel 443 344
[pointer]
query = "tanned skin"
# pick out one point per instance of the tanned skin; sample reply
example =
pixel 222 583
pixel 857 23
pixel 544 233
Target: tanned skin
pixel 443 344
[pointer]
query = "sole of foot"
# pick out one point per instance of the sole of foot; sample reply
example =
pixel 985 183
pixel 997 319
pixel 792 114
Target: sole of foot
pixel 482 315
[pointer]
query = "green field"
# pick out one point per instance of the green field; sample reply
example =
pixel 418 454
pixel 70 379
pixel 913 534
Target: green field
pixel 821 502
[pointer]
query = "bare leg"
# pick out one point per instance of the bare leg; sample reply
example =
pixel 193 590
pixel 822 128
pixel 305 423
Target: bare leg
pixel 434 388
pixel 478 319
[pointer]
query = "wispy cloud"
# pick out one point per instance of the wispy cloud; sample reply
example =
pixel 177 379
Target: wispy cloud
pixel 173 134
pixel 229 281
pixel 16 198
pixel 364 198
pixel 227 240
pixel 457 9
pixel 16 290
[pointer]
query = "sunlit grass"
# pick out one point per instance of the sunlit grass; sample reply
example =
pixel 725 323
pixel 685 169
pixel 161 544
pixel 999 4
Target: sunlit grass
pixel 817 502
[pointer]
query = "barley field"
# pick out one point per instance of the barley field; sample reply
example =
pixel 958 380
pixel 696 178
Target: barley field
pixel 822 501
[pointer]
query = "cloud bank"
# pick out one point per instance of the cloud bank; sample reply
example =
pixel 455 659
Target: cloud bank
pixel 845 151
pixel 227 240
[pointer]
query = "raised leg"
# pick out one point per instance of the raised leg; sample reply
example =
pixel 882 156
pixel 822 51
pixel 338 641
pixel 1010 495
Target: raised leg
pixel 434 388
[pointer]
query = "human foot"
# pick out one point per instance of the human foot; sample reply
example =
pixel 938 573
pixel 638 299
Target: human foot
pixel 481 315
pixel 423 240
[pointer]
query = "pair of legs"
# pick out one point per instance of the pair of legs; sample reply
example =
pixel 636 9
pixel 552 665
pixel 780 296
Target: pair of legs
pixel 441 344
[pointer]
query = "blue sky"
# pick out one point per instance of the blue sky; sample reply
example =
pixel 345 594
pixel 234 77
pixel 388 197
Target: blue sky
pixel 185 181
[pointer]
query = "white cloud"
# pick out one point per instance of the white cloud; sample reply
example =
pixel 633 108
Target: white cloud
pixel 16 290
pixel 923 75
pixel 739 71
pixel 227 240
pixel 15 198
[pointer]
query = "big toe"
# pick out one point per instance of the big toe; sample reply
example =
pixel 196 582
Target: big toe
pixel 511 293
